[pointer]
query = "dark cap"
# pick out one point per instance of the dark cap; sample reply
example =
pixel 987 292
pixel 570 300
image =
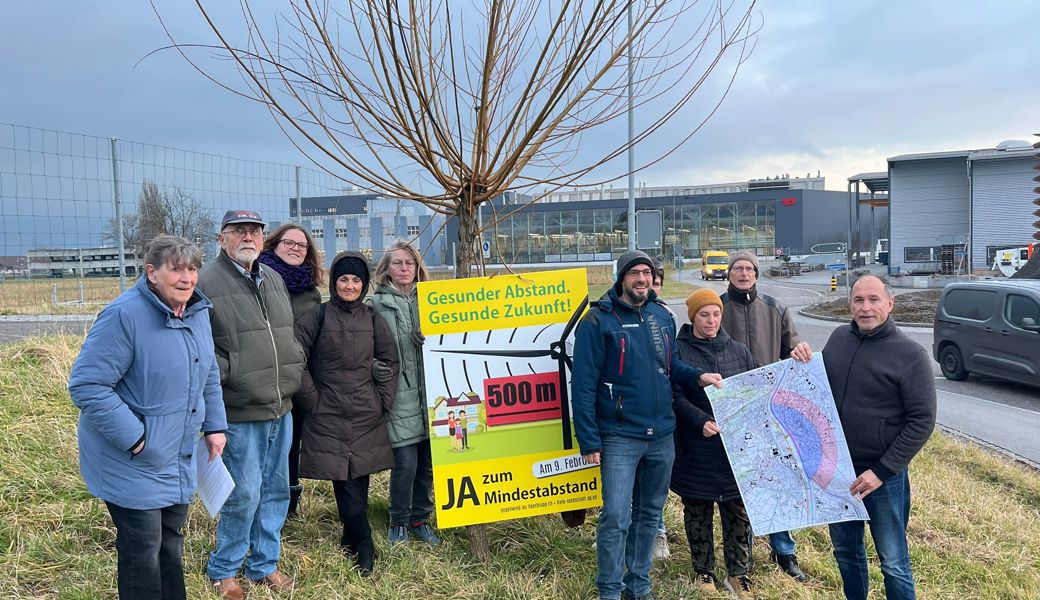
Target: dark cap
pixel 241 216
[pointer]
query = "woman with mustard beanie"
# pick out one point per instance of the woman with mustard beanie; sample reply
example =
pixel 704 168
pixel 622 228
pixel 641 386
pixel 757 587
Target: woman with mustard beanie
pixel 701 474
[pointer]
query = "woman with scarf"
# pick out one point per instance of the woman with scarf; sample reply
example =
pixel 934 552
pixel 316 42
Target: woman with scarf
pixel 290 251
pixel 345 436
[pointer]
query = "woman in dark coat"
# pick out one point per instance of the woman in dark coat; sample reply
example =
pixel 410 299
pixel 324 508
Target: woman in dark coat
pixel 290 251
pixel 701 474
pixel 345 436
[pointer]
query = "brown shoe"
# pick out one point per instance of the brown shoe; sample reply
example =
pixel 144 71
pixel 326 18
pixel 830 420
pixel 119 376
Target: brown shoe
pixel 229 588
pixel 277 581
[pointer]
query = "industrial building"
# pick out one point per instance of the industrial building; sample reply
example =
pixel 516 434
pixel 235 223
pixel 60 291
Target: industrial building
pixel 789 215
pixel 952 211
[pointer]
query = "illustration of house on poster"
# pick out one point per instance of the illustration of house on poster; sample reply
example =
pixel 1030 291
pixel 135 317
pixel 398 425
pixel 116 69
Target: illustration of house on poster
pixel 497 367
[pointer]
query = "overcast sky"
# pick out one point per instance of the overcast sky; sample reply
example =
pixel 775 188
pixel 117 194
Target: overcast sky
pixel 834 87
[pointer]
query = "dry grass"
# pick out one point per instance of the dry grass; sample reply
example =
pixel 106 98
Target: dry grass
pixel 973 533
pixel 57 296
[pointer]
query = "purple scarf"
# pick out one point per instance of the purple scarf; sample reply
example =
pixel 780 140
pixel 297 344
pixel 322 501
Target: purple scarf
pixel 297 279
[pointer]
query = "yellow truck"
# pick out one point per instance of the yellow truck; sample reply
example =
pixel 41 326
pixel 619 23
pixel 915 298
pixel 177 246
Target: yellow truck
pixel 714 265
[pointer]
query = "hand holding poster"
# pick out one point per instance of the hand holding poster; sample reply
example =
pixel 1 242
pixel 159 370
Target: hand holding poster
pixel 784 441
pixel 497 366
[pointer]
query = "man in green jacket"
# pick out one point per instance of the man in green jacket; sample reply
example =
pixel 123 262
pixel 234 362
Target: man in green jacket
pixel 260 369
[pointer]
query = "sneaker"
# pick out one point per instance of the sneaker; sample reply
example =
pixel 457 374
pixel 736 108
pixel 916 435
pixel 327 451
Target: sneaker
pixel 425 533
pixel 661 550
pixel 739 586
pixel 704 582
pixel 277 581
pixel 398 534
pixel 229 589
pixel 788 563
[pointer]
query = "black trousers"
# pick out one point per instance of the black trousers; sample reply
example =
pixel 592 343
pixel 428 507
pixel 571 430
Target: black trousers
pixel 150 547
pixel 352 504
pixel 736 535
pixel 411 484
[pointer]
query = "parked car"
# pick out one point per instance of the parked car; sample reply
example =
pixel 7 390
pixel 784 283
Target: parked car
pixel 714 264
pixel 989 328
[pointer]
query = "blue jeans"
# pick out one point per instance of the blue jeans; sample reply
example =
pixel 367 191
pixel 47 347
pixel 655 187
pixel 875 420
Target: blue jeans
pixel 889 511
pixel 781 543
pixel 252 518
pixel 635 477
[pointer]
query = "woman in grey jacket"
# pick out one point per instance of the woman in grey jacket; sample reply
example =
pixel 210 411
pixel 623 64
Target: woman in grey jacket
pixel 411 480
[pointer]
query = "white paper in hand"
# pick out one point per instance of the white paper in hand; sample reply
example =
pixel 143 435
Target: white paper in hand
pixel 215 483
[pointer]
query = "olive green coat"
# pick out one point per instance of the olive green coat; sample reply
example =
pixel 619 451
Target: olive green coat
pixel 409 418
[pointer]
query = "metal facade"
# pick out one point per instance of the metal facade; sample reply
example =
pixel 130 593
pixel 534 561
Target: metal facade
pixel 929 207
pixel 1001 206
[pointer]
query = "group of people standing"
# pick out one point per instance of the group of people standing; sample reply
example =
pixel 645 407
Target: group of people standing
pixel 642 414
pixel 243 355
pixel 279 384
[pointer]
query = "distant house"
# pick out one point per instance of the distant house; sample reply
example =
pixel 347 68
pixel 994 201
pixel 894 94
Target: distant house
pixel 467 402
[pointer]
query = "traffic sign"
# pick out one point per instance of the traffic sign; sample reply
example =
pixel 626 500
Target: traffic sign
pixel 836 267
pixel 486 248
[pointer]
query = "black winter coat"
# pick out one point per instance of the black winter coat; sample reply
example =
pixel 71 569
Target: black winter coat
pixel 345 433
pixel 701 470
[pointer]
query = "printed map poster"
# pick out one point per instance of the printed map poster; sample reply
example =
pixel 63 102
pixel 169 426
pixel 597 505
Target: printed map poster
pixel 785 443
pixel 497 364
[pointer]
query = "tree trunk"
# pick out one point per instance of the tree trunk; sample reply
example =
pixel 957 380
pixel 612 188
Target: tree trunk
pixel 466 247
pixel 465 259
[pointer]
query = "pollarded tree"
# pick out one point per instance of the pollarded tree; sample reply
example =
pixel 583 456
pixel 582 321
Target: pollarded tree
pixel 452 104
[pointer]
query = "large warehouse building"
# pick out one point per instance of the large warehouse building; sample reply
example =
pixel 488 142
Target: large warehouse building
pixel 789 214
pixel 950 210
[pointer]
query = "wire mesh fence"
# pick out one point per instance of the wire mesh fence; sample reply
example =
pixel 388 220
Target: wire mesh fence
pixel 65 198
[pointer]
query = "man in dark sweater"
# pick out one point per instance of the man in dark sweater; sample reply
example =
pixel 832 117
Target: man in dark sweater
pixel 885 394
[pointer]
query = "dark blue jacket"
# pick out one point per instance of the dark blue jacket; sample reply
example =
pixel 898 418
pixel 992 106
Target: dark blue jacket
pixel 624 357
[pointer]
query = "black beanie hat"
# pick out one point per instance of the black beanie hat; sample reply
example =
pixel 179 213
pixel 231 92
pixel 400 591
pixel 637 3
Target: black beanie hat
pixel 349 265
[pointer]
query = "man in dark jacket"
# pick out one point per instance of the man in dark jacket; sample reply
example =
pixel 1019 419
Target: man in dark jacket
pixel 624 356
pixel 885 395
pixel 260 369
pixel 764 325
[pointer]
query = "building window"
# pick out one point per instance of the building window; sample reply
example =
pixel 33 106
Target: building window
pixel 341 232
pixel 318 234
pixel 920 254
pixel 412 230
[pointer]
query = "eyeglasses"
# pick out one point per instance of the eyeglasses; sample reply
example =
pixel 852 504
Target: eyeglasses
pixel 743 269
pixel 397 264
pixel 241 231
pixel 638 273
pixel 293 245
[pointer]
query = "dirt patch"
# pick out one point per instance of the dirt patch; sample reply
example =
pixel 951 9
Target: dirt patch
pixel 911 307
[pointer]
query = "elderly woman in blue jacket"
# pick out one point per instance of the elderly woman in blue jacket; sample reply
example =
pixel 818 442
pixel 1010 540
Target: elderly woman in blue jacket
pixel 147 383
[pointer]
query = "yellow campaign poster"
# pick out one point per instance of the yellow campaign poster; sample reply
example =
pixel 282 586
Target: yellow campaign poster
pixel 497 363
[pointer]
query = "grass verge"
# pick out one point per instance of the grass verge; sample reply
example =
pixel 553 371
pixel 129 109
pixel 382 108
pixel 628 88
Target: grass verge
pixel 973 531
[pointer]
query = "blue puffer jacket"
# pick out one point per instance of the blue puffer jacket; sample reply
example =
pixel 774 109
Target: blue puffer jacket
pixel 144 372
pixel 623 359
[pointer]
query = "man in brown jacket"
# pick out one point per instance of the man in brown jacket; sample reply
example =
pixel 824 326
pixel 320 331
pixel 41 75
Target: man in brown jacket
pixel 765 326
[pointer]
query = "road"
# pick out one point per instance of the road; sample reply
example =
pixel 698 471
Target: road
pixel 14 328
pixel 1001 415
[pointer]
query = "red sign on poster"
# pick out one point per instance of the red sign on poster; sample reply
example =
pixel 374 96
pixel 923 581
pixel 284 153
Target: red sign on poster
pixel 522 398
pixel 789 201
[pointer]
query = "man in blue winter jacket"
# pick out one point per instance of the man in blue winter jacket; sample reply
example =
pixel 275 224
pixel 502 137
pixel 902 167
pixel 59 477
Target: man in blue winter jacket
pixel 625 360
